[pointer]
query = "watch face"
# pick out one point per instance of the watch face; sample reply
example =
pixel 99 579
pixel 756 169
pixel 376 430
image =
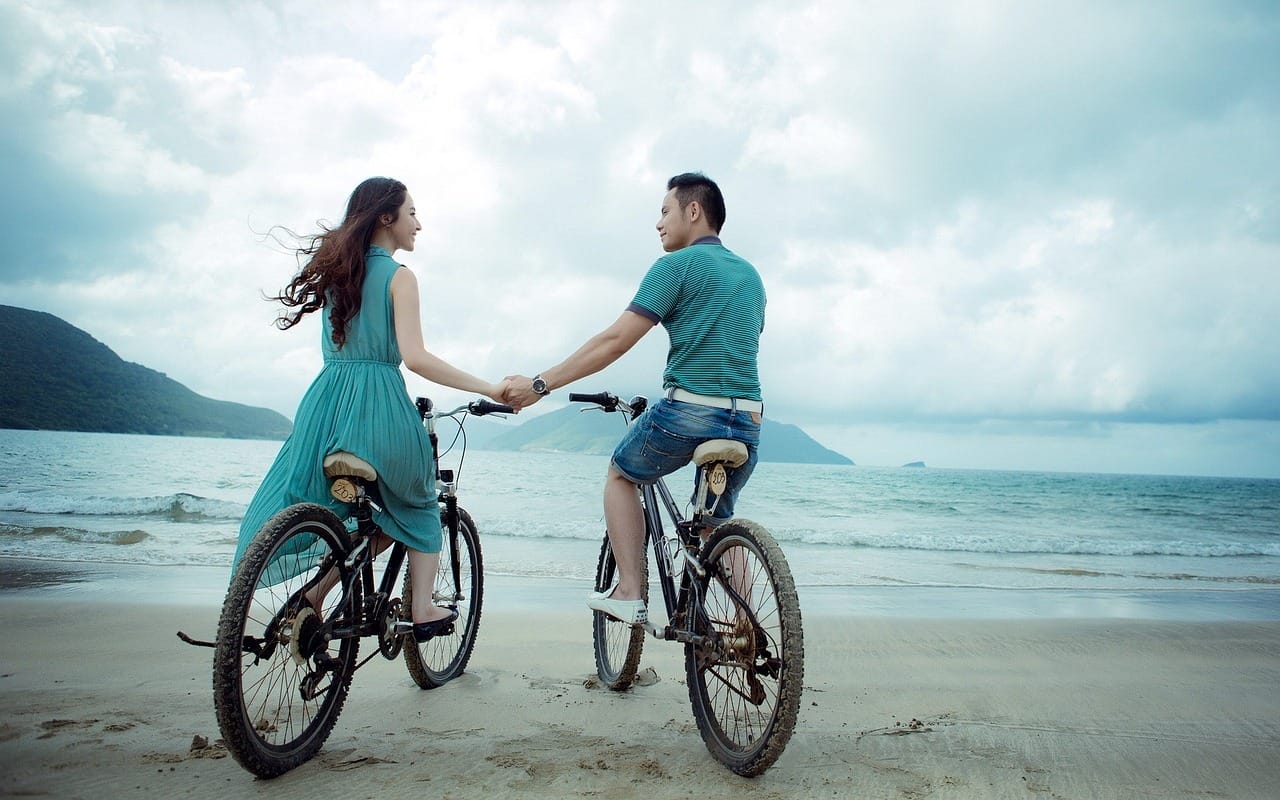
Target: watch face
pixel 539 386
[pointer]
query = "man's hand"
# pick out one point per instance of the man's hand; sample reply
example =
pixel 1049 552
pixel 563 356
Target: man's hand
pixel 519 392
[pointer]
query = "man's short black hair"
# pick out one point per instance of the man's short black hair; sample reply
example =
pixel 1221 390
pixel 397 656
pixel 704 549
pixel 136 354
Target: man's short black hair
pixel 691 186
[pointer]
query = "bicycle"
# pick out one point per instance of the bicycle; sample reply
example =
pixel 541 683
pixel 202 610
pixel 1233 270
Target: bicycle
pixel 281 667
pixel 734 608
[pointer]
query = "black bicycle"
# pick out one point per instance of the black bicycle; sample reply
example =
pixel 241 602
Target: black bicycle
pixel 282 667
pixel 730 600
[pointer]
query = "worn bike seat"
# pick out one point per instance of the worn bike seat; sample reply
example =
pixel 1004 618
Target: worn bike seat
pixel 342 464
pixel 732 453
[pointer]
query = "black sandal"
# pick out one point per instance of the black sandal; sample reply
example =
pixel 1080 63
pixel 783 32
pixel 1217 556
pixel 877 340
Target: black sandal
pixel 425 631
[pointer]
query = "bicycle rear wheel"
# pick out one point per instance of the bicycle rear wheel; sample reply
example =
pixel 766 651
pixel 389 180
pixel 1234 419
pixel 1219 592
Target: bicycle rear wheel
pixel 745 680
pixel 443 658
pixel 278 686
pixel 617 645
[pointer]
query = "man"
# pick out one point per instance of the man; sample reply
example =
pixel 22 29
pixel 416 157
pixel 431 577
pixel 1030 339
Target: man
pixel 711 302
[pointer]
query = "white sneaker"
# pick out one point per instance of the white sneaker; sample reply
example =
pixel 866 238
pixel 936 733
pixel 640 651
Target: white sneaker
pixel 631 612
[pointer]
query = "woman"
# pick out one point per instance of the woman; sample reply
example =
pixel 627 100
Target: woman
pixel 358 402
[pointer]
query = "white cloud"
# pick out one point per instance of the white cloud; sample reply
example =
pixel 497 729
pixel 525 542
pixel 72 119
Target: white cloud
pixel 117 159
pixel 984 214
pixel 1096 322
pixel 813 147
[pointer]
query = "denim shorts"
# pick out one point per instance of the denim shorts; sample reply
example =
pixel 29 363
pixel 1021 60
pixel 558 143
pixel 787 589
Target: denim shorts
pixel 663 439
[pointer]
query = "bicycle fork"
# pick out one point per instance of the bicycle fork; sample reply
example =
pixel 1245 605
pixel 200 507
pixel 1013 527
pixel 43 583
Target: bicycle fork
pixel 448 493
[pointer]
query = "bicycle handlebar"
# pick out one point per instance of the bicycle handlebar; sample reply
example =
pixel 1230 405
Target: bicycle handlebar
pixel 478 407
pixel 607 401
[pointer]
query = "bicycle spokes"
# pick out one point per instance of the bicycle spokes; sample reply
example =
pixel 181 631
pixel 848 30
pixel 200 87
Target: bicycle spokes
pixel 746 676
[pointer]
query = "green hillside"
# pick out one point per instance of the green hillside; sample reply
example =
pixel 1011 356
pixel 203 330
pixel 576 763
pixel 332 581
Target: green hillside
pixel 574 430
pixel 57 377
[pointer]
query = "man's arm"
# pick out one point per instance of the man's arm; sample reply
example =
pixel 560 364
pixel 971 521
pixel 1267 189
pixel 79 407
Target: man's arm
pixel 598 352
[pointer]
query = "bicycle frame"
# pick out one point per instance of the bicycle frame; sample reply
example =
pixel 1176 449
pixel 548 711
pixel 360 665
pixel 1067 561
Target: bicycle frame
pixel 682 546
pixel 362 558
pixel 680 549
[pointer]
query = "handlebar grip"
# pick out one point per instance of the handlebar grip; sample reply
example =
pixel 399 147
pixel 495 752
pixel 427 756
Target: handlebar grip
pixel 602 399
pixel 481 407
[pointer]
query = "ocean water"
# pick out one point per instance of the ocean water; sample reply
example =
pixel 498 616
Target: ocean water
pixel 880 541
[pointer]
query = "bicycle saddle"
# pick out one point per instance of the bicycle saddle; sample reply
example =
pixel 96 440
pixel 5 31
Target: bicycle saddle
pixel 732 453
pixel 342 464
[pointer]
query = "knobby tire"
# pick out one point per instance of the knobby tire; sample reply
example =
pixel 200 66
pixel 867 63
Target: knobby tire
pixel 266 723
pixel 746 700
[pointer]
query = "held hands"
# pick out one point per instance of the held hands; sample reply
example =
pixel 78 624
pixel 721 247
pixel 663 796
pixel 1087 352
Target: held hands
pixel 497 392
pixel 519 392
pixel 515 391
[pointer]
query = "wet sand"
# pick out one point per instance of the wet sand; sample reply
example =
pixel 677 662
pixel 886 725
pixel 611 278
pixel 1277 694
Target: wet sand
pixel 99 698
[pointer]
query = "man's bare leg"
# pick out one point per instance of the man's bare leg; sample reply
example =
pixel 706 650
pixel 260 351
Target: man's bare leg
pixel 624 518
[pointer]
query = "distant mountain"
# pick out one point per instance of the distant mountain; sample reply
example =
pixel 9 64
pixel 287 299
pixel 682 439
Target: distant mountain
pixel 575 430
pixel 788 443
pixel 57 377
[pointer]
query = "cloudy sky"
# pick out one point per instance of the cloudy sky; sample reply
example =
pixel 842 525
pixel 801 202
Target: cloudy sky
pixel 1026 235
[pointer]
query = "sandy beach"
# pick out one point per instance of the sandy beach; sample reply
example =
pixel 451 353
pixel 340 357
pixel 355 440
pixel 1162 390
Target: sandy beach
pixel 99 698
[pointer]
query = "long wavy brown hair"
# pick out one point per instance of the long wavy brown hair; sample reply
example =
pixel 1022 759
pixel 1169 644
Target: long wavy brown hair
pixel 334 273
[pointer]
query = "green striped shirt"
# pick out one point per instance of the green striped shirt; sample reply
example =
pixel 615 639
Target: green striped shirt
pixel 711 302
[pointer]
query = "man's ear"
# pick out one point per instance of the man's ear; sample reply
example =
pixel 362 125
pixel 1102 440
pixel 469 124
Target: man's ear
pixel 694 210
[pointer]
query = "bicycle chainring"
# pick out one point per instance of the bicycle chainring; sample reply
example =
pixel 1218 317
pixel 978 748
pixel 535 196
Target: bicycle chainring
pixel 390 642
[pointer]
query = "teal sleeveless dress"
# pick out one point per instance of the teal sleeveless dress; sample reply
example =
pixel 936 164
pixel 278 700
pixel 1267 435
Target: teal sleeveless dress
pixel 358 403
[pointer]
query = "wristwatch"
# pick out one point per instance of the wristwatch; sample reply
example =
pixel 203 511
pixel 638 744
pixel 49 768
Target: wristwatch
pixel 540 386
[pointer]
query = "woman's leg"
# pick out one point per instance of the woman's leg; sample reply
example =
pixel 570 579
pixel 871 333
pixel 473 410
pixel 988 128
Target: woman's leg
pixel 422 574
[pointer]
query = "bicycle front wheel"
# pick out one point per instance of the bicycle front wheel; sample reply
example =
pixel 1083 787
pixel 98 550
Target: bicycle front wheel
pixel 617 644
pixel 443 658
pixel 746 676
pixel 278 685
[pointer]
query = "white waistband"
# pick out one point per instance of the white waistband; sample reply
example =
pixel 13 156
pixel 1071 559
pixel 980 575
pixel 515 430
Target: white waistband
pixel 732 403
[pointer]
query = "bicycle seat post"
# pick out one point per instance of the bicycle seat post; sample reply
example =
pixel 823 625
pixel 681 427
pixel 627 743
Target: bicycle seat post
pixel 714 458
